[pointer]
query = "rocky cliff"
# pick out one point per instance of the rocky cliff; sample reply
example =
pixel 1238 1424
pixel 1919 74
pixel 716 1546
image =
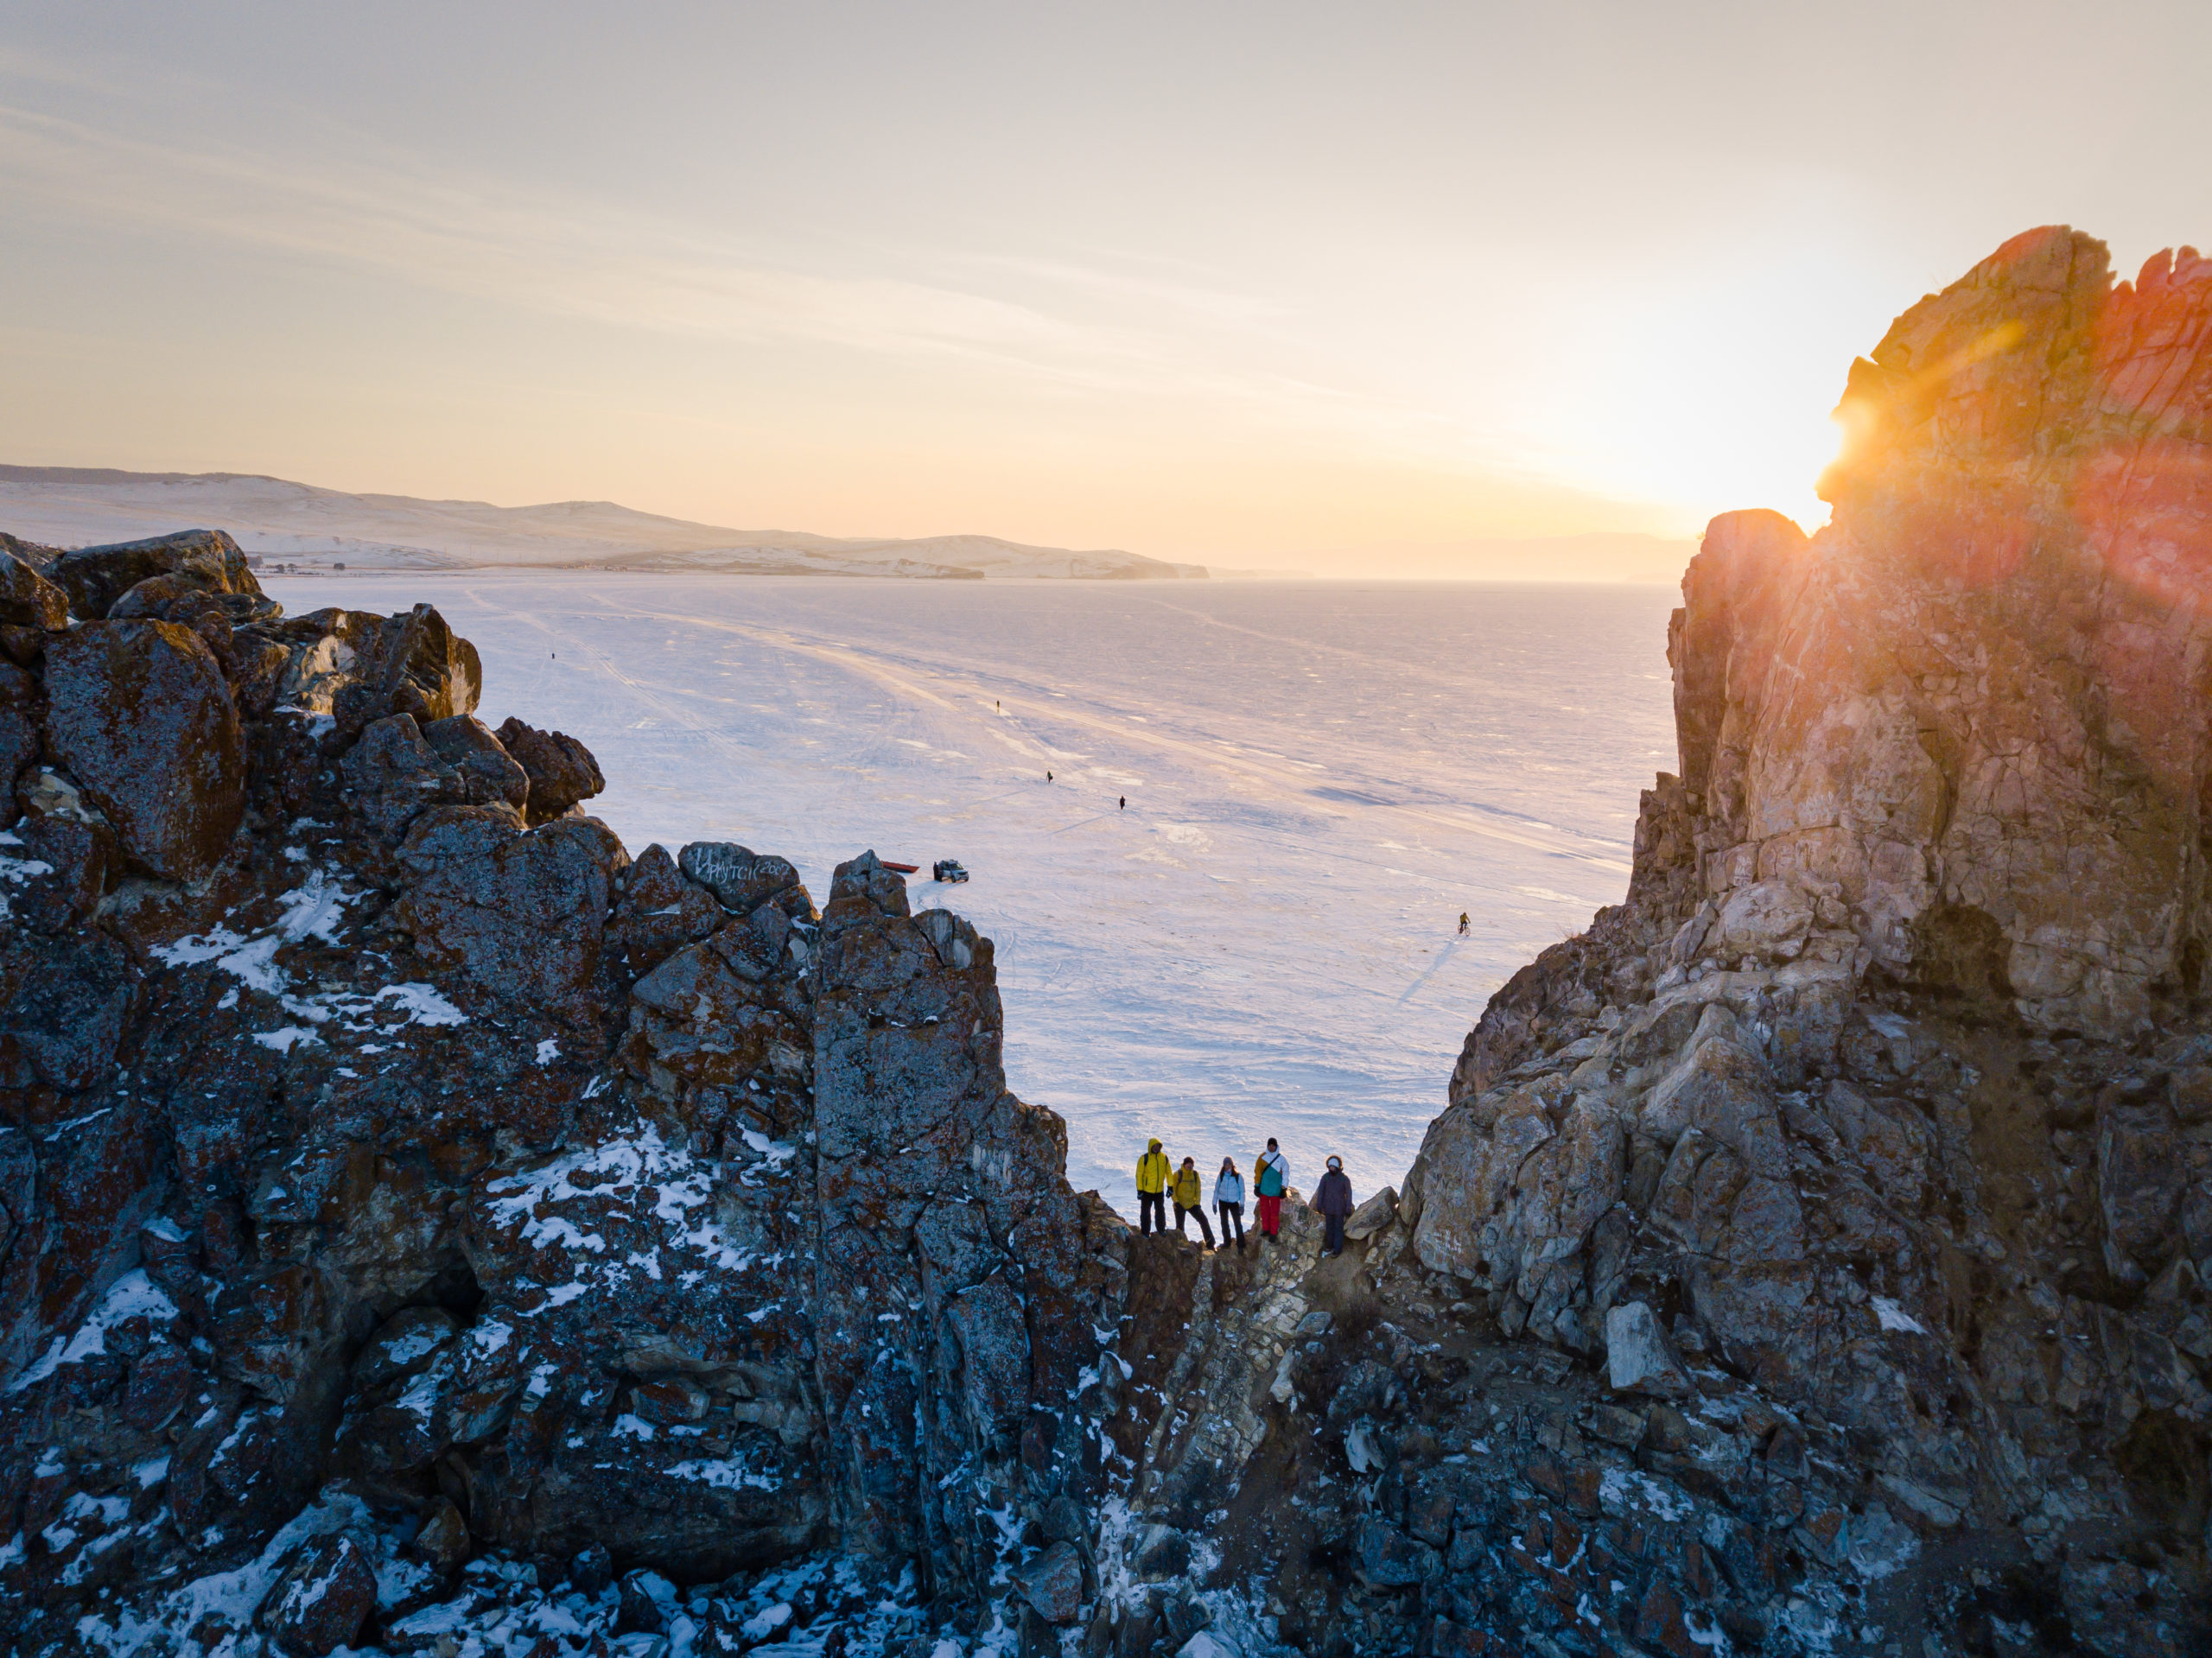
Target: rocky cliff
pixel 428 1228
pixel 1812 1257
pixel 397 1174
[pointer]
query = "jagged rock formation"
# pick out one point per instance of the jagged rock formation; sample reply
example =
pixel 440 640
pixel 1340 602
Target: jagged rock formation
pixel 394 1171
pixel 425 1225
pixel 1813 1256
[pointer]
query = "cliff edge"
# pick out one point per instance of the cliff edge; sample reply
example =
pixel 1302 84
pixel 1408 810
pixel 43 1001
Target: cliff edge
pixel 1812 1257
pixel 405 1194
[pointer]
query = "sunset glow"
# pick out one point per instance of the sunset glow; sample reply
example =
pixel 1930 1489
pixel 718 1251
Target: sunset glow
pixel 1367 298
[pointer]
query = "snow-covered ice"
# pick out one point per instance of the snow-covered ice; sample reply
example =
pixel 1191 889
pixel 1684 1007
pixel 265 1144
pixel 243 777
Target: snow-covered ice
pixel 1320 777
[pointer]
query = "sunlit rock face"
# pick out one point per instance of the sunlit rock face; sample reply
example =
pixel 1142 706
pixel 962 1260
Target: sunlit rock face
pixel 1881 1104
pixel 1963 728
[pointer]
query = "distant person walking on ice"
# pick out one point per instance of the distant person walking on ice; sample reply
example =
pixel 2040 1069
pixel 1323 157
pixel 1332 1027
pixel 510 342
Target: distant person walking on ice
pixel 1270 1179
pixel 1190 1199
pixel 1462 924
pixel 1334 1198
pixel 1151 1183
pixel 1229 1202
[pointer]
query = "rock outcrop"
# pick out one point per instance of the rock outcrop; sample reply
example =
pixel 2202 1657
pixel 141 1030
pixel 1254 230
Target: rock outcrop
pixel 395 1175
pixel 1812 1257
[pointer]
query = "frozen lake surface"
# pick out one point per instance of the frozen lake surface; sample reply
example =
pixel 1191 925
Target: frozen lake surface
pixel 1320 777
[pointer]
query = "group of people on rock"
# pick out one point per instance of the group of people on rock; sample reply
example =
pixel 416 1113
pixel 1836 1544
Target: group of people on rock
pixel 1160 1180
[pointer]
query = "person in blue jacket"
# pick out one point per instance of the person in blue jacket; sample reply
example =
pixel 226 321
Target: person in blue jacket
pixel 1229 1199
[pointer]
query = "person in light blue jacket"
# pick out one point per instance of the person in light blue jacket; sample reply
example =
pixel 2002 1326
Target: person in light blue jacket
pixel 1228 1198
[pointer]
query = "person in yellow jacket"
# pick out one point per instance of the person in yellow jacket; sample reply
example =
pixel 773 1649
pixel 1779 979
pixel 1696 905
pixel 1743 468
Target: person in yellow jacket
pixel 1151 1183
pixel 1190 1199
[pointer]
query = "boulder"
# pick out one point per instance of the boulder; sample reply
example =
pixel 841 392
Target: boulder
pixel 327 651
pixel 162 1381
pixel 659 912
pixel 257 665
pixel 523 914
pixel 139 715
pixel 1388 1559
pixel 77 1210
pixel 441 1540
pixel 355 668
pixel 404 1345
pixel 2142 1175
pixel 421 667
pixel 77 858
pixel 488 774
pixel 1639 1356
pixel 26 598
pixel 1722 1089
pixel 741 878
pixel 1767 921
pixel 592 1571
pixel 326 1599
pixel 561 771
pixel 95 577
pixel 1375 1215
pixel 753 946
pixel 1185 1614
pixel 215 617
pixel 396 776
pixel 1052 1582
pixel 1505 1194
pixel 36 555
pixel 861 890
pixel 397 1438
pixel 648 1600
pixel 67 1014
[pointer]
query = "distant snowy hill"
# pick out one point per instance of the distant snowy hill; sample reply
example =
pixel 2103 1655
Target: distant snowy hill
pixel 1598 557
pixel 74 506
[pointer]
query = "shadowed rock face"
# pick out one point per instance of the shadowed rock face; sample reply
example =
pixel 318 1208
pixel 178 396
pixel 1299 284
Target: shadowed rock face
pixel 388 1162
pixel 137 712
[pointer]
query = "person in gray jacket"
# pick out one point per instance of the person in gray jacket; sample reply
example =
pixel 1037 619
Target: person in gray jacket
pixel 1229 1199
pixel 1334 1198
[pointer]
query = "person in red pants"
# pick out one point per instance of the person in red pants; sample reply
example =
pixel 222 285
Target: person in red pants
pixel 1270 1179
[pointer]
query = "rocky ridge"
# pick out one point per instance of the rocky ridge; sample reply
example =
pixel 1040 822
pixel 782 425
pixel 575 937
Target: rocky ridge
pixel 428 1228
pixel 408 1193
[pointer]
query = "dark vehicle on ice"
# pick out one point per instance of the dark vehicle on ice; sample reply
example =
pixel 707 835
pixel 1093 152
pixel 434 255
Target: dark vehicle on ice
pixel 949 869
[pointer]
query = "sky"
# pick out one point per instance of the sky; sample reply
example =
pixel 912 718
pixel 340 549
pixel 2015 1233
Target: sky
pixel 1349 288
